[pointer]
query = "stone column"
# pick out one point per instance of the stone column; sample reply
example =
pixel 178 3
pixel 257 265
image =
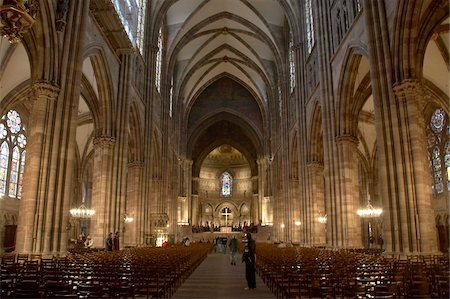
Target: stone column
pixel 296 217
pixel 194 201
pixel 102 222
pixel 187 178
pixel 261 175
pixel 121 123
pixel 35 207
pixel 343 208
pixel 412 217
pixel 255 201
pixel 316 205
pixel 401 140
pixel 134 204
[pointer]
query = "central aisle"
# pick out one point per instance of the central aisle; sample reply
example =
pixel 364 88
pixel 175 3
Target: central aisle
pixel 216 278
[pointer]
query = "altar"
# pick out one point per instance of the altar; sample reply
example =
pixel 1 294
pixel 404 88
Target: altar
pixel 225 229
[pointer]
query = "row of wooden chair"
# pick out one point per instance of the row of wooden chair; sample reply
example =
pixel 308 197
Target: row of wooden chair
pixel 143 272
pixel 296 272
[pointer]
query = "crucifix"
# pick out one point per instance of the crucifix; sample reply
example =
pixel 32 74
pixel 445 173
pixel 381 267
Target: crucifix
pixel 226 213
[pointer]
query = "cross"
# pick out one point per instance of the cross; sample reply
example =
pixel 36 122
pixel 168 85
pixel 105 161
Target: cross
pixel 226 213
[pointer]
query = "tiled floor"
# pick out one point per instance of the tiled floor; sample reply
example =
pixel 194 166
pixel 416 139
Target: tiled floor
pixel 215 278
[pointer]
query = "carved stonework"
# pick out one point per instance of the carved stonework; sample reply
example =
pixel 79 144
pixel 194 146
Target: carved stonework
pixel 104 141
pixel 409 88
pixel 45 89
pixel 347 139
pixel 61 14
pixel 315 166
pixel 160 220
pixel 136 164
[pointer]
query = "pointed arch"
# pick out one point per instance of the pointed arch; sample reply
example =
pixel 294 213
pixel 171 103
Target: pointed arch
pixel 315 146
pixel 42 43
pixel 348 107
pixel 294 169
pixel 156 171
pixel 104 106
pixel 409 45
pixel 135 136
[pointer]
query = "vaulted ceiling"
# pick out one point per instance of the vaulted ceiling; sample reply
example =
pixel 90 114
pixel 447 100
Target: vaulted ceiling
pixel 213 42
pixel 242 38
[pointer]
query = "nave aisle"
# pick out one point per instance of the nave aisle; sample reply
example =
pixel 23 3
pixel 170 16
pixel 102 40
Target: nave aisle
pixel 215 278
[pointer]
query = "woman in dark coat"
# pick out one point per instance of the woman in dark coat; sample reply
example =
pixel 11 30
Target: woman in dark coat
pixel 249 258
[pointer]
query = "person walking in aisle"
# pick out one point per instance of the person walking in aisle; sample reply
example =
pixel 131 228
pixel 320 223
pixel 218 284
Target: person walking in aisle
pixel 249 258
pixel 233 248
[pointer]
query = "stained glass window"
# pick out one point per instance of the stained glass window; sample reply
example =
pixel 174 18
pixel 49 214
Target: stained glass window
pixel 439 151
pixel 437 121
pixel 12 154
pixel 310 39
pixel 22 168
pixel 132 16
pixel 358 5
pixel 4 157
pixel 159 61
pixel 142 4
pixel 14 173
pixel 291 63
pixel 227 181
pixel 171 98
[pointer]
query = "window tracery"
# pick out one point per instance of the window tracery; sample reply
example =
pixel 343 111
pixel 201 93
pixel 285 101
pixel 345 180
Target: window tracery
pixel 132 16
pixel 226 180
pixel 12 154
pixel 343 12
pixel 309 18
pixel 291 62
pixel 159 61
pixel 439 151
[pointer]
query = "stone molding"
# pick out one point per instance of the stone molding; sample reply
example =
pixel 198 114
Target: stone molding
pixel 408 88
pixel 346 139
pixel 104 141
pixel 45 89
pixel 154 48
pixel 136 164
pixel 315 166
pixel 126 51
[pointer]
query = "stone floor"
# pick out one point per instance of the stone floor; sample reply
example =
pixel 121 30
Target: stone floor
pixel 215 278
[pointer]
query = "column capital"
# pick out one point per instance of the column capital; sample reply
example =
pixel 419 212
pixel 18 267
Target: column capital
pixel 45 89
pixel 297 46
pixel 104 141
pixel 314 166
pixel 136 164
pixel 154 48
pixel 126 51
pixel 411 90
pixel 264 160
pixel 346 138
pixel 408 87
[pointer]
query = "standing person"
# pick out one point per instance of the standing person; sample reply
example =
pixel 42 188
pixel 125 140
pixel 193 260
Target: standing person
pixel 224 244
pixel 249 258
pixel 219 244
pixel 233 248
pixel 109 242
pixel 89 242
pixel 116 241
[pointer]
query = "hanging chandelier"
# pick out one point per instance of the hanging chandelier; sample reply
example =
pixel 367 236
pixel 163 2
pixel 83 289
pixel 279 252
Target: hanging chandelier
pixel 16 18
pixel 128 219
pixel 82 212
pixel 369 211
pixel 322 219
